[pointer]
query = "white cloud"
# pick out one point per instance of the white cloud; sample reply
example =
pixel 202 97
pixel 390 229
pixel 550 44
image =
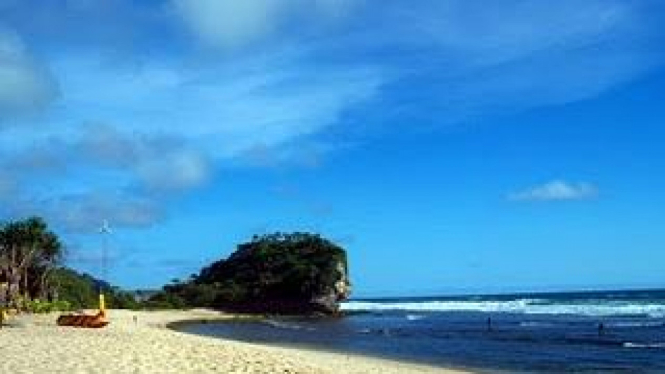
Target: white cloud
pixel 486 58
pixel 24 84
pixel 490 33
pixel 231 24
pixel 107 145
pixel 158 162
pixel 557 190
pixel 84 212
pixel 153 162
pixel 227 24
pixel 177 114
pixel 174 170
pixel 224 108
pixel 138 174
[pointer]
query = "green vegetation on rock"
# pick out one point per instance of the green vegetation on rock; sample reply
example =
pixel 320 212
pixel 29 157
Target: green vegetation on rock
pixel 276 273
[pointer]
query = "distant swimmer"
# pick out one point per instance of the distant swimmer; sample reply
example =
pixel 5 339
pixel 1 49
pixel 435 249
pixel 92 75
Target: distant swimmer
pixel 601 329
pixel 489 324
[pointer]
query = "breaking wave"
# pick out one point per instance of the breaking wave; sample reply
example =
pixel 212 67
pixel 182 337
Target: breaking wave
pixel 523 306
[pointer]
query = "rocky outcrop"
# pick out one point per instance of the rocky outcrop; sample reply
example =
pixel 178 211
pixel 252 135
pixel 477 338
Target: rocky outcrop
pixel 280 273
pixel 340 291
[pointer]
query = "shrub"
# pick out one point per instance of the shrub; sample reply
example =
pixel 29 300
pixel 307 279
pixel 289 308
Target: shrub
pixel 42 306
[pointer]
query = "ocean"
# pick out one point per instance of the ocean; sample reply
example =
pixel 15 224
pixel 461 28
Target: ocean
pixel 571 332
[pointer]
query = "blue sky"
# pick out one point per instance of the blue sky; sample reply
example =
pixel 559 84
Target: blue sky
pixel 450 146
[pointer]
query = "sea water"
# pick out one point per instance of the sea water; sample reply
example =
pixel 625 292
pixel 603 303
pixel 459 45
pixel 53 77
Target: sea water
pixel 581 332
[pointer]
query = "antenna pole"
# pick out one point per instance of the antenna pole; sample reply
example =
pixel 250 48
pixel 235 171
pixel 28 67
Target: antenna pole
pixel 105 230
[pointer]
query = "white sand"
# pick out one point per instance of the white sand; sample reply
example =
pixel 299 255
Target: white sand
pixel 36 345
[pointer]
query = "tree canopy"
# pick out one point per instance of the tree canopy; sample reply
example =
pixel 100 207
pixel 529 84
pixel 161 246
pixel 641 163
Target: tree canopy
pixel 29 252
pixel 81 291
pixel 32 275
pixel 298 272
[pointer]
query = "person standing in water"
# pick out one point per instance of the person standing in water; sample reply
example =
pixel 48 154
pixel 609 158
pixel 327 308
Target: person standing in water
pixel 601 329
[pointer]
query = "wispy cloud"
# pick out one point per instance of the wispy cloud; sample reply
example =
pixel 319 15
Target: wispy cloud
pixel 557 190
pixel 158 162
pixel 228 106
pixel 84 212
pixel 486 58
pixel 25 84
pixel 241 113
pixel 240 84
pixel 100 174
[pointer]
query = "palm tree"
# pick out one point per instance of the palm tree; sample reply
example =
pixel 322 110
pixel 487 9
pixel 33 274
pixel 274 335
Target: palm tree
pixel 28 252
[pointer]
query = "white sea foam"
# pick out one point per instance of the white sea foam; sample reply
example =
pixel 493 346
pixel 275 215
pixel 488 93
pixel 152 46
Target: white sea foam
pixel 636 324
pixel 644 345
pixel 414 317
pixel 536 324
pixel 525 306
pixel 286 325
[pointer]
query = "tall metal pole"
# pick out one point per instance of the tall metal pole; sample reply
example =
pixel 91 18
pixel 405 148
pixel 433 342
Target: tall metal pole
pixel 105 231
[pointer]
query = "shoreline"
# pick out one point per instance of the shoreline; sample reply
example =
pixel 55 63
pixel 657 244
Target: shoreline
pixel 334 354
pixel 150 344
pixel 317 350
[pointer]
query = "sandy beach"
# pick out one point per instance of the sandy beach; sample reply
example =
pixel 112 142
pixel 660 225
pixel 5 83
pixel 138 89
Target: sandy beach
pixel 34 344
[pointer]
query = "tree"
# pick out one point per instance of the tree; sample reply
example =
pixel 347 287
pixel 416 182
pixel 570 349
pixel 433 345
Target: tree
pixel 81 291
pixel 28 253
